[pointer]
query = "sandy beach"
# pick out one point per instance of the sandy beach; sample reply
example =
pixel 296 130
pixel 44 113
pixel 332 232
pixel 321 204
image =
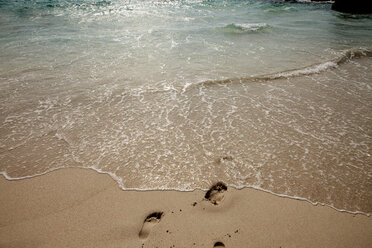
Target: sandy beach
pixel 117 116
pixel 82 208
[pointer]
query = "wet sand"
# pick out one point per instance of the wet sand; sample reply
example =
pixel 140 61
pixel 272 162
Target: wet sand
pixel 82 208
pixel 308 135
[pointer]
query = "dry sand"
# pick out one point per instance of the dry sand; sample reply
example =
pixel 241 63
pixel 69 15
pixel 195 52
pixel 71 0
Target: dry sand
pixel 81 208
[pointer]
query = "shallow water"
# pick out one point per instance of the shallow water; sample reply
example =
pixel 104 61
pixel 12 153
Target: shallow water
pixel 180 94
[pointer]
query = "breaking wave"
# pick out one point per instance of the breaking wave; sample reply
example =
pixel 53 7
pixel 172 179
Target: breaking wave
pixel 244 27
pixel 345 57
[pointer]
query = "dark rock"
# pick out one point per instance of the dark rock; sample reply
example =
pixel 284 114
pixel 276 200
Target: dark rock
pixel 353 7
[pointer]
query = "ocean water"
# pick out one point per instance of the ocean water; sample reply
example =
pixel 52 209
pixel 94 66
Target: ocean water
pixel 181 94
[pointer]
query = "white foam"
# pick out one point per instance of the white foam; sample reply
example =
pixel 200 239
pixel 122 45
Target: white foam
pixel 300 198
pixel 251 26
pixel 306 71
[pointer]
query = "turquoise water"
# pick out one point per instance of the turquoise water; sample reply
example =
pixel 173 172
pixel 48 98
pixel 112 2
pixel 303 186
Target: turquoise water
pixel 173 41
pixel 181 94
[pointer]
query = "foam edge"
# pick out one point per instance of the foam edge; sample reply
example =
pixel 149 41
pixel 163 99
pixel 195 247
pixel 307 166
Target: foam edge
pixel 119 181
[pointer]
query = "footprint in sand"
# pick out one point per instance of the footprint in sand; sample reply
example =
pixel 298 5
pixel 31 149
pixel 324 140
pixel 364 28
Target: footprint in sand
pixel 219 245
pixel 216 193
pixel 150 221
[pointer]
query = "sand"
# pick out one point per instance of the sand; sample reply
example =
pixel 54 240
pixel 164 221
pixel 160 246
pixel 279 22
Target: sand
pixel 82 208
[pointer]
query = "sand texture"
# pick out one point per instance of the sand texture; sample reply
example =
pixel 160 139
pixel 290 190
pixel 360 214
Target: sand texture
pixel 82 208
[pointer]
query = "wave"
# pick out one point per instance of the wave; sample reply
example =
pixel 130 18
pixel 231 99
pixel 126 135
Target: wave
pixel 317 68
pixel 244 27
pixel 345 57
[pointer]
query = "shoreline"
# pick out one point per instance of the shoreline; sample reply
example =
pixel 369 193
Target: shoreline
pixel 118 182
pixel 77 207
